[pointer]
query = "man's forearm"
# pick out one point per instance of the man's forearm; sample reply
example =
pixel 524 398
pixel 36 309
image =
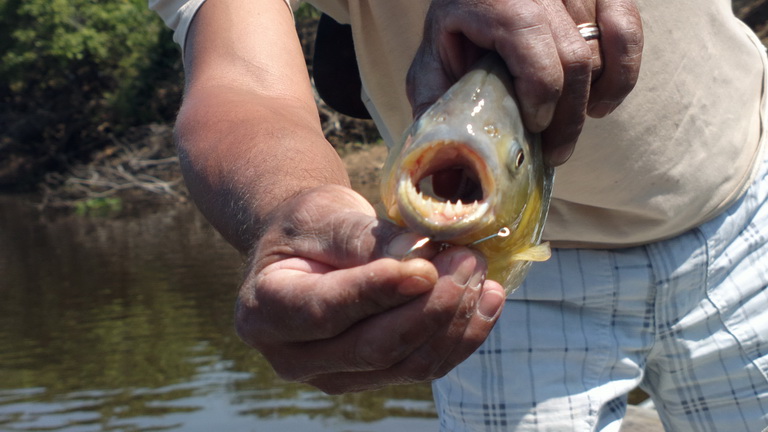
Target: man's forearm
pixel 242 155
pixel 248 133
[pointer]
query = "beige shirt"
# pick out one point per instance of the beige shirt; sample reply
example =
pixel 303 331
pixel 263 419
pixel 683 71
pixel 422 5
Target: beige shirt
pixel 680 149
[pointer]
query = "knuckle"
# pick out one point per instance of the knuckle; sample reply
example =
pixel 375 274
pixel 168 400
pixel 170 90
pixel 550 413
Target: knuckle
pixel 245 333
pixel 577 71
pixel 369 356
pixel 312 320
pixel 626 29
pixel 520 15
pixel 577 56
pixel 442 371
pixel 549 86
pixel 630 44
pixel 248 326
pixel 386 351
pixel 421 366
pixel 257 324
pixel 284 363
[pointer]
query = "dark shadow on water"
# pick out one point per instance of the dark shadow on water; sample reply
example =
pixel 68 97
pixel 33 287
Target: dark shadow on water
pixel 125 324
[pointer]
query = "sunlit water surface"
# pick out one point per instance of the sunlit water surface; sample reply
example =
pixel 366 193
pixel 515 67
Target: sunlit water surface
pixel 125 324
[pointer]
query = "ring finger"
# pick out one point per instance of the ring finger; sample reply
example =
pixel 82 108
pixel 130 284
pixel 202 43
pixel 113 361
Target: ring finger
pixel 576 56
pixel 584 15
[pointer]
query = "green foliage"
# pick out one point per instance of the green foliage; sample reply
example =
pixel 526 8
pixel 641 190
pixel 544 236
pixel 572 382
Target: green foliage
pixel 103 207
pixel 71 68
pixel 306 11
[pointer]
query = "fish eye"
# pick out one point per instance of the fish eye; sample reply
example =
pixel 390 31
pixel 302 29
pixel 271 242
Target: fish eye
pixel 516 158
pixel 520 158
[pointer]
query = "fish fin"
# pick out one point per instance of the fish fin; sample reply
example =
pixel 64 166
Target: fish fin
pixel 540 252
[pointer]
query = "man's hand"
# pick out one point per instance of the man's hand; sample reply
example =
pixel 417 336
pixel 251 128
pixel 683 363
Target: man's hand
pixel 328 301
pixel 559 77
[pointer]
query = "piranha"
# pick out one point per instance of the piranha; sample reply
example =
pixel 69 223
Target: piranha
pixel 469 173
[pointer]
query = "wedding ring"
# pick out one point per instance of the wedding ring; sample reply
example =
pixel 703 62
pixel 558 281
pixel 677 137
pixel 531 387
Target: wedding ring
pixel 589 31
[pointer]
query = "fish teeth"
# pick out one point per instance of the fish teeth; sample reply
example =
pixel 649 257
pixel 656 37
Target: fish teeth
pixel 449 210
pixel 441 210
pixel 430 205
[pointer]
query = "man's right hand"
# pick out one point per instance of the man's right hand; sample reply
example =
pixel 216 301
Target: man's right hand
pixel 328 301
pixel 560 78
pixel 326 298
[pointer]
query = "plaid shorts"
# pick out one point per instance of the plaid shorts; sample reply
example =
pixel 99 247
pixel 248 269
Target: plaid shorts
pixel 685 319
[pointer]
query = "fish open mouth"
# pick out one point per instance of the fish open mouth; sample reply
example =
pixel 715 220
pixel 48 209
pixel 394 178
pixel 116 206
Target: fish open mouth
pixel 447 185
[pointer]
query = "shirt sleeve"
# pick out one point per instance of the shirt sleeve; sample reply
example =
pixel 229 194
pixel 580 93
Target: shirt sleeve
pixel 178 14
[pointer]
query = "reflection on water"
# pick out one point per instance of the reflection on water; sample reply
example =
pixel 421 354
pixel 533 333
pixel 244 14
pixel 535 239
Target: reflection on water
pixel 126 325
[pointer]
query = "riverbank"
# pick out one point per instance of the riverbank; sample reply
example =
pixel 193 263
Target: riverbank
pixel 139 165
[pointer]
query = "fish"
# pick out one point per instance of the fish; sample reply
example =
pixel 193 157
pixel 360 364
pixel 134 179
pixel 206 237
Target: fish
pixel 468 173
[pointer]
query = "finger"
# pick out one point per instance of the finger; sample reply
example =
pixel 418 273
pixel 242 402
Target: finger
pixel 334 225
pixel 559 139
pixel 298 300
pixel 584 12
pixel 597 56
pixel 621 40
pixel 518 30
pixel 526 43
pixel 473 322
pixel 386 339
pixel 435 359
pixel 428 78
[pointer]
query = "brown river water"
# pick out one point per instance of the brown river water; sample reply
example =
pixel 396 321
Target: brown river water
pixel 125 324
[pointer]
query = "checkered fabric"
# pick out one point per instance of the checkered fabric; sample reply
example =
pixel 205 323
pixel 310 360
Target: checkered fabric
pixel 686 319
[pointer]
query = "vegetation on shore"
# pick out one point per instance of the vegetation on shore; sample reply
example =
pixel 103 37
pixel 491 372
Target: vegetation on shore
pixel 88 94
pixel 74 74
pixel 89 91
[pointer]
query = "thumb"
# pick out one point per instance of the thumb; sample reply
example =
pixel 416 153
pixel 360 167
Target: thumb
pixel 435 68
pixel 425 82
pixel 336 227
pixel 323 302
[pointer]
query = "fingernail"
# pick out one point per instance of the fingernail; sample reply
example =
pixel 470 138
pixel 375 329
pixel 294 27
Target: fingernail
pixel 401 245
pixel 543 117
pixel 490 304
pixel 466 272
pixel 476 280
